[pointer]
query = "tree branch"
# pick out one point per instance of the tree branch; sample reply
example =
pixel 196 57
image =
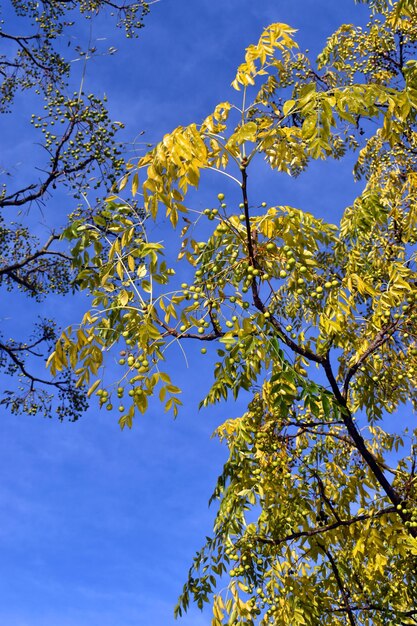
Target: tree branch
pixel 382 337
pixel 323 529
pixel 255 292
pixel 14 199
pixel 340 584
pixel 31 257
pixel 20 364
pixel 173 332
pixel 21 41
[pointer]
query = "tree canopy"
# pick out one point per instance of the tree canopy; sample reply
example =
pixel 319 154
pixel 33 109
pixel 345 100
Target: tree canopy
pixel 76 153
pixel 313 322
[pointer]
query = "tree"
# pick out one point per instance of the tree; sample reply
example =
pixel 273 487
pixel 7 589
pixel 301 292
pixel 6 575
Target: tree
pixel 77 154
pixel 314 322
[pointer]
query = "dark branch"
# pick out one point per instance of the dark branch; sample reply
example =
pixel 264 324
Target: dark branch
pixel 21 365
pixel 323 529
pixel 382 337
pixel 31 257
pixel 21 41
pixel 255 292
pixel 54 173
pixel 173 332
pixel 344 592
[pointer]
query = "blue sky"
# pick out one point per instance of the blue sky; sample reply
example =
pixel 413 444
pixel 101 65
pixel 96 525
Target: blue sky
pixel 99 526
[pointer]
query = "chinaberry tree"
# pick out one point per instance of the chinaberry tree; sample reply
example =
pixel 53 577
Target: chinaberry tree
pixel 74 152
pixel 313 322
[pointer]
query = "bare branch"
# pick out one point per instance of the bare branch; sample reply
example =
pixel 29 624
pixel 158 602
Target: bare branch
pixel 21 42
pixel 21 365
pixel 31 257
pixel 21 197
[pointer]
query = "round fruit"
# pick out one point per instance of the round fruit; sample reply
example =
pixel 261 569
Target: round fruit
pixel 220 196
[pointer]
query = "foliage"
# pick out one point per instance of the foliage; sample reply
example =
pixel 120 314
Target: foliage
pixel 315 322
pixel 78 153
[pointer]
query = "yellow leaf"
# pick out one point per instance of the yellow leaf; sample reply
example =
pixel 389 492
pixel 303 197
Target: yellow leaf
pixel 288 106
pixel 123 297
pixel 131 263
pixel 93 387
pixel 123 182
pixel 135 184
